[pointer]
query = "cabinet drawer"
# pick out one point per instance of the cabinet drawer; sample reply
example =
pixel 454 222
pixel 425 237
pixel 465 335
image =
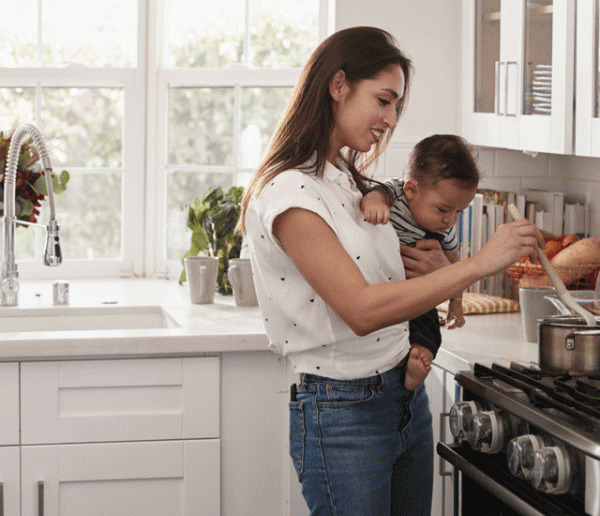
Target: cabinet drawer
pixel 175 478
pixel 9 403
pixel 120 400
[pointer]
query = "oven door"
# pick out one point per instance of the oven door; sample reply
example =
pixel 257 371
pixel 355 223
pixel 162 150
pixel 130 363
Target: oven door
pixel 488 488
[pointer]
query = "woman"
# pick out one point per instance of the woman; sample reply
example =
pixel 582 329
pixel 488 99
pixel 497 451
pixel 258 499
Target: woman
pixel 332 288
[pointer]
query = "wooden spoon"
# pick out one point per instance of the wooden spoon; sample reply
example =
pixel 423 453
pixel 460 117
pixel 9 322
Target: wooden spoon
pixel 558 284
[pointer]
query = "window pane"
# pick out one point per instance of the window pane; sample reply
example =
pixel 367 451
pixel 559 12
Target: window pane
pixel 25 242
pixel 93 33
pixel 211 38
pixel 283 33
pixel 18 37
pixel 89 215
pixel 261 110
pixel 201 126
pixel 17 106
pixel 182 189
pixel 84 126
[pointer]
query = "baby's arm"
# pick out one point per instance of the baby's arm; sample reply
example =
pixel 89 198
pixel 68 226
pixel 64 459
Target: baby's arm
pixel 454 317
pixel 376 206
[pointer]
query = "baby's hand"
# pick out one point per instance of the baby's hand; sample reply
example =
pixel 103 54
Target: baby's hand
pixel 454 317
pixel 377 214
pixel 375 208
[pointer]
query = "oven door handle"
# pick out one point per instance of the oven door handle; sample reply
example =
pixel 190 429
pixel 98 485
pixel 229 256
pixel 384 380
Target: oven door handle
pixel 488 483
pixel 443 416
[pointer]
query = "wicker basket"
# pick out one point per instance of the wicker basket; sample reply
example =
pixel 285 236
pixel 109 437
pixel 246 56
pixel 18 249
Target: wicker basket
pixel 533 275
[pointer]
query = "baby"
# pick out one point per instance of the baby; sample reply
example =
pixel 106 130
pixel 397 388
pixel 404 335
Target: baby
pixel 441 181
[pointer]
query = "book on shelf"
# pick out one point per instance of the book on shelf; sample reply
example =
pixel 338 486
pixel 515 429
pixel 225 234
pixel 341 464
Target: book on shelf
pixel 576 218
pixel 548 210
pixel 551 203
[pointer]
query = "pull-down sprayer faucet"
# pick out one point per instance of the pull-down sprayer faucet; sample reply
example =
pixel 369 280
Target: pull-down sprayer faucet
pixel 52 255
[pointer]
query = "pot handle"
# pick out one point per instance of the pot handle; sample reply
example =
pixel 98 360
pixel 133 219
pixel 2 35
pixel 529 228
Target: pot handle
pixel 571 338
pixel 570 341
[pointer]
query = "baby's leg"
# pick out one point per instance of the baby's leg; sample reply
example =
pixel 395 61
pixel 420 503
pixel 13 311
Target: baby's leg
pixel 417 366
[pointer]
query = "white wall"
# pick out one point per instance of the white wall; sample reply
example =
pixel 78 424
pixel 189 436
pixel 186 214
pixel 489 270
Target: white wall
pixel 428 31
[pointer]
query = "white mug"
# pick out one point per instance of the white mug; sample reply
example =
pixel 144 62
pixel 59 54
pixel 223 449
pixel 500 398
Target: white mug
pixel 240 277
pixel 534 306
pixel 201 273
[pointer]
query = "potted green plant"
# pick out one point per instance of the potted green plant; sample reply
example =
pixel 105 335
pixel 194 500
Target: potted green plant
pixel 212 221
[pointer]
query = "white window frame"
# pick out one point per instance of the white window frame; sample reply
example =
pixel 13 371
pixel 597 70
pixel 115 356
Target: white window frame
pixel 237 78
pixel 132 81
pixel 144 169
pixel 132 171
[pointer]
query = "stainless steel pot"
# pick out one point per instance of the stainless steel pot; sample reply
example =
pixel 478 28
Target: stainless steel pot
pixel 567 345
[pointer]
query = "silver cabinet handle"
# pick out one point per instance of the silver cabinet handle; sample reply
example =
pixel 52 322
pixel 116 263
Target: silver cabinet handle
pixel 41 498
pixel 497 88
pixel 506 113
pixel 1 499
pixel 443 416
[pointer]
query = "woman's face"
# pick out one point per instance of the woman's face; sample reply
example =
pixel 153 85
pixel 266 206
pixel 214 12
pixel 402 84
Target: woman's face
pixel 365 112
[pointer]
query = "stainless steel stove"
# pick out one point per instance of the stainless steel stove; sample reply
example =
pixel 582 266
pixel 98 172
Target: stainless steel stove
pixel 527 442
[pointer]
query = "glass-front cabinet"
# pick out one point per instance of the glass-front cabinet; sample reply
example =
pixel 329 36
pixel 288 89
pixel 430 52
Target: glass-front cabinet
pixel 519 64
pixel 587 126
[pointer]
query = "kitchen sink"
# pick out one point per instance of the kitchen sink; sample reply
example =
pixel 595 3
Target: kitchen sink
pixel 83 319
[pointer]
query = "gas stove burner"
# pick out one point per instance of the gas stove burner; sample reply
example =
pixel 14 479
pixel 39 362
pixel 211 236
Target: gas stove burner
pixel 547 391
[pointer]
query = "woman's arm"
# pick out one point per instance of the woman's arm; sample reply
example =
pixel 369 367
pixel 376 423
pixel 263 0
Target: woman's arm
pixel 320 257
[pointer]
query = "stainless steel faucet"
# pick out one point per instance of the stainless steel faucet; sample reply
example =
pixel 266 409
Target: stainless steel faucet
pixel 52 255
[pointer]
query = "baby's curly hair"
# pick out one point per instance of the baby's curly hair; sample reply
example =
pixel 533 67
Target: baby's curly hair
pixel 443 156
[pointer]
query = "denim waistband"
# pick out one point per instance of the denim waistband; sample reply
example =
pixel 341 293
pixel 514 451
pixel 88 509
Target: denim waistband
pixel 394 375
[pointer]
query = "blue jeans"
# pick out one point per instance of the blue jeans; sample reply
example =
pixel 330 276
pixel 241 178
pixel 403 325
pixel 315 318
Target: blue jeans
pixel 363 447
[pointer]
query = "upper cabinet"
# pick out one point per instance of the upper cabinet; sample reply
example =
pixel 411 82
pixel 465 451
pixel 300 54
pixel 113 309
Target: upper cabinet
pixel 518 63
pixel 587 127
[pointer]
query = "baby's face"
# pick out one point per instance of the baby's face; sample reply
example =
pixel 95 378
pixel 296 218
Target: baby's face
pixel 437 208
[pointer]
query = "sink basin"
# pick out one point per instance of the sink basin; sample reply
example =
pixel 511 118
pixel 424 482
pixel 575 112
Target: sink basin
pixel 81 319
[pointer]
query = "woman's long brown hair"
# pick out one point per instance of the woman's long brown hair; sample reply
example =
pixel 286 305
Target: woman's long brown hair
pixel 303 133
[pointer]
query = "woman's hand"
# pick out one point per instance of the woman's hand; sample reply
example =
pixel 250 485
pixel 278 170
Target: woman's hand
pixel 427 256
pixel 508 245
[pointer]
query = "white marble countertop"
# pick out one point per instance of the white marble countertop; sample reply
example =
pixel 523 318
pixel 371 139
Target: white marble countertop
pixel 220 327
pixel 216 328
pixel 486 339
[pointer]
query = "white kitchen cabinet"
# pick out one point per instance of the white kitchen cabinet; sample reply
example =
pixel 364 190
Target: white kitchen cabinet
pixel 9 401
pixel 10 481
pixel 121 437
pixel 587 120
pixel 518 59
pixel 119 400
pixel 122 479
pixel 441 387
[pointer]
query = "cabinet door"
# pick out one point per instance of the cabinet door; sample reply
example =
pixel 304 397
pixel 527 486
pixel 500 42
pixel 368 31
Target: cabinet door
pixel 587 120
pixel 521 54
pixel 440 387
pixel 9 403
pixel 119 400
pixel 175 478
pixel 10 481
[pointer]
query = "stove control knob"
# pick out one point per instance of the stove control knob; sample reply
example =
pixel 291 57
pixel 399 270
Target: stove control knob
pixel 520 453
pixel 460 413
pixel 489 431
pixel 552 470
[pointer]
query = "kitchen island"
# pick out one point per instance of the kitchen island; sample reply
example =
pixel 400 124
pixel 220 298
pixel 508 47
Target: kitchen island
pixel 185 419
